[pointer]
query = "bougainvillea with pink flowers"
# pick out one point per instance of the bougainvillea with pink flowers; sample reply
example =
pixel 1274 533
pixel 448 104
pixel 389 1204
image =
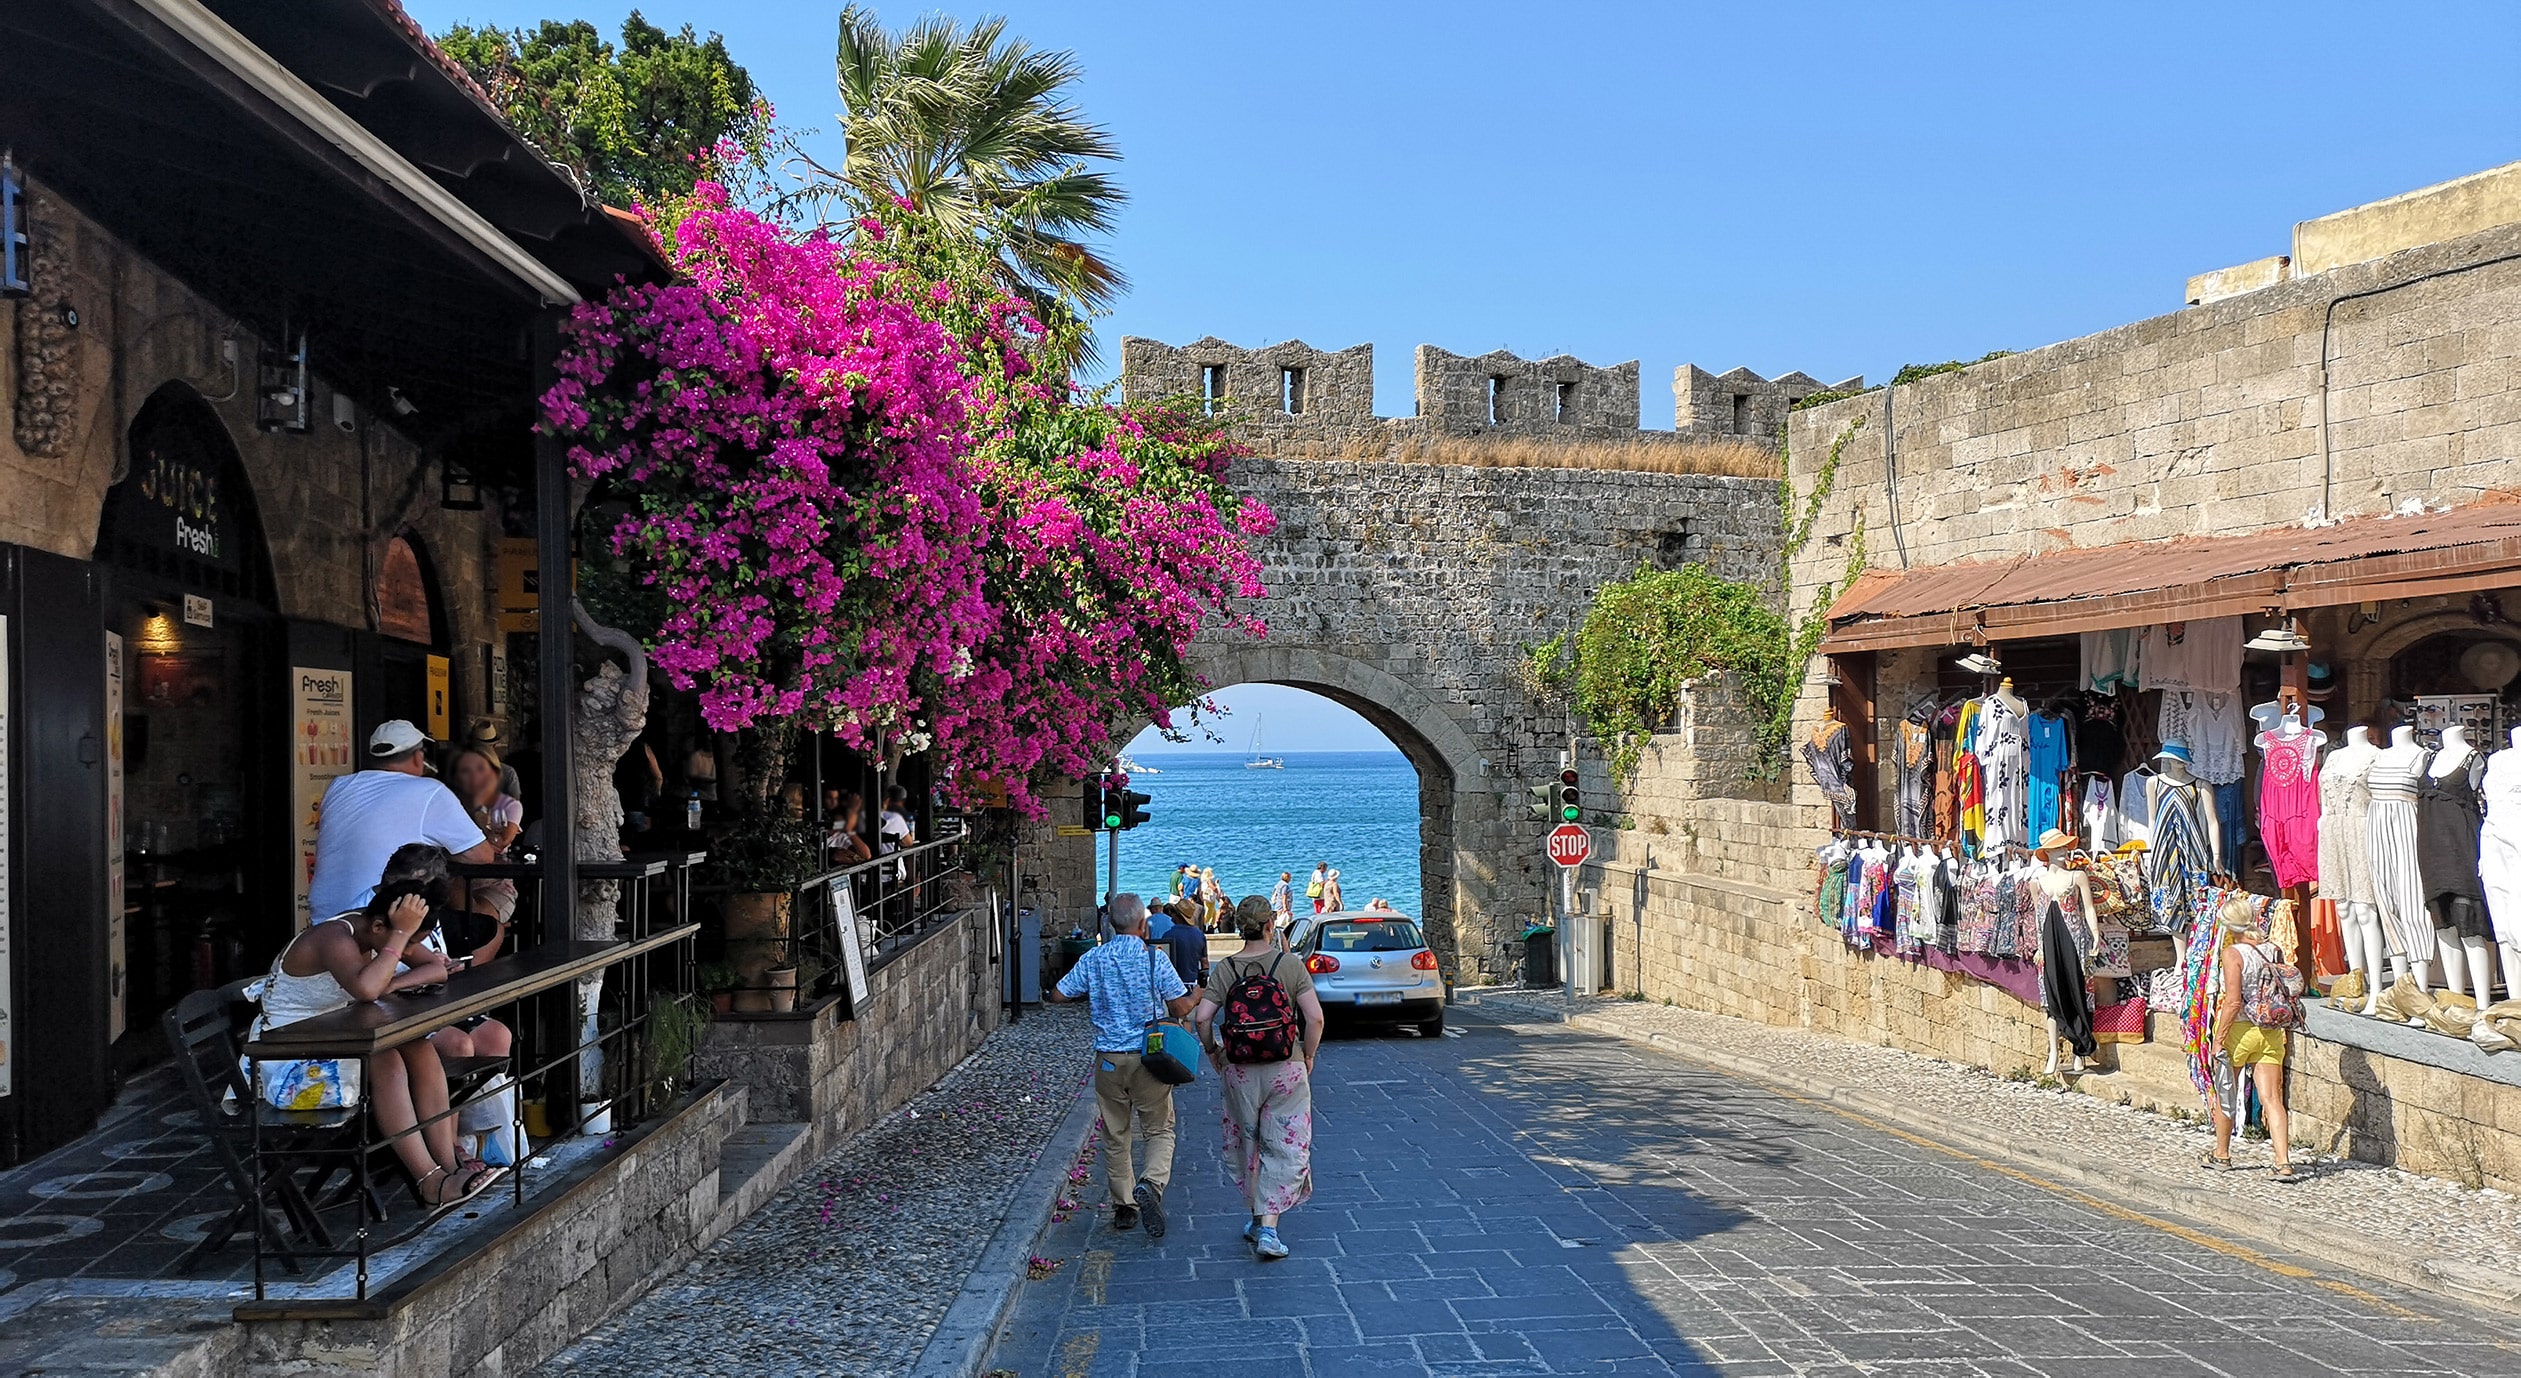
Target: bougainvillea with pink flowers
pixel 864 508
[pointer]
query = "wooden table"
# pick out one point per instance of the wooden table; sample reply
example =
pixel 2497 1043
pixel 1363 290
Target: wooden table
pixel 371 1027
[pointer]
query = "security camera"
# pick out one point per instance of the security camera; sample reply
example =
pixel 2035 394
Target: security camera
pixel 345 415
pixel 403 406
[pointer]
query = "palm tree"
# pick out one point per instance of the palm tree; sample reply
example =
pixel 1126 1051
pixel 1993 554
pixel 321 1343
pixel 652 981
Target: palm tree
pixel 968 130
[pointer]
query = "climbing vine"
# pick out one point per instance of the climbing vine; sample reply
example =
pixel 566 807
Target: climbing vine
pixel 1645 637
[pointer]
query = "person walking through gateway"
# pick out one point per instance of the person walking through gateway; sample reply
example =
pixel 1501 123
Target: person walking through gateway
pixel 1125 983
pixel 1262 1023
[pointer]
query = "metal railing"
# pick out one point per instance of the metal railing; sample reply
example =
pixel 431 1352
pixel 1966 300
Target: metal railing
pixel 843 925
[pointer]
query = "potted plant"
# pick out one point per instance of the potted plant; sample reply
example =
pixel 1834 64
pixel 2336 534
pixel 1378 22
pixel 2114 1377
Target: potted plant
pixel 761 862
pixel 718 981
pixel 675 1026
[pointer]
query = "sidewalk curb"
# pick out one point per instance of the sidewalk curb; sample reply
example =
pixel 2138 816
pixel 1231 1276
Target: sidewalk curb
pixel 2281 1231
pixel 970 1326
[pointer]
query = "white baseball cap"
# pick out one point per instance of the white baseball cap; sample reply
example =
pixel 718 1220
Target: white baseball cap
pixel 394 738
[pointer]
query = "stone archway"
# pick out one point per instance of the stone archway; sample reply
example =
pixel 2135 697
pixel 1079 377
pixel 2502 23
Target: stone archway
pixel 1454 883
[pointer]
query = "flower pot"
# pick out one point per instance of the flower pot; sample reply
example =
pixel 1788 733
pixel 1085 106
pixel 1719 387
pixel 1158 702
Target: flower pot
pixel 722 1002
pixel 783 989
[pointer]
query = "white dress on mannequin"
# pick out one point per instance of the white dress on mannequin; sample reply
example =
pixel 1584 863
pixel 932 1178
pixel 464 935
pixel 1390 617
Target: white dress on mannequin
pixel 2499 854
pixel 2397 885
pixel 2346 857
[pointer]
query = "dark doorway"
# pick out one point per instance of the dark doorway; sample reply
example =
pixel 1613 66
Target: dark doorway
pixel 203 836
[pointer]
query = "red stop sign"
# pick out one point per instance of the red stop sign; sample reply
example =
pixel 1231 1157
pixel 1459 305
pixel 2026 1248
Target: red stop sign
pixel 1569 845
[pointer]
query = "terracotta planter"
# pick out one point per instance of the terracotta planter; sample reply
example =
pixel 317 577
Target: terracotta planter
pixel 783 989
pixel 757 926
pixel 722 1002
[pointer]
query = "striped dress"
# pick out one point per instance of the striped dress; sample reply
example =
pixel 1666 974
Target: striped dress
pixel 2398 887
pixel 2177 861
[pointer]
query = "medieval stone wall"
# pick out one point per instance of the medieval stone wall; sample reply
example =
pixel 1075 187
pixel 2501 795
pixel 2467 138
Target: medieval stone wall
pixel 329 500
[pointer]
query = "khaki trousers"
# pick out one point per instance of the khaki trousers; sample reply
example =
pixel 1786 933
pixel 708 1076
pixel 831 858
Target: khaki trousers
pixel 1123 1088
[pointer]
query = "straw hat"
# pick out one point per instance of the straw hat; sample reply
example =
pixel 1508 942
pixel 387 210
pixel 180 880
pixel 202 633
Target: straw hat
pixel 2057 840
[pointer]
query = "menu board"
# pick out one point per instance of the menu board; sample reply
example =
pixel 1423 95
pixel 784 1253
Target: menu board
pixel 117 967
pixel 319 744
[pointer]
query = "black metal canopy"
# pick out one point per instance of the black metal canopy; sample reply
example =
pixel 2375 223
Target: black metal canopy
pixel 135 122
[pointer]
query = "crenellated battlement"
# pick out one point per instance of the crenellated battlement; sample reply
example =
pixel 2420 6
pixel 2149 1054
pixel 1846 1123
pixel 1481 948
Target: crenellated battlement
pixel 1293 392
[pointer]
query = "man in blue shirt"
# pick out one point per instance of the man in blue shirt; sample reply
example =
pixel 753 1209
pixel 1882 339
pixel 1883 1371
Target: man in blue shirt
pixel 1179 940
pixel 1126 984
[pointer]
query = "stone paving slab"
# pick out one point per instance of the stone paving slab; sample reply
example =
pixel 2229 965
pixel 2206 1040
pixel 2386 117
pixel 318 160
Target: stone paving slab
pixel 1536 1199
pixel 2416 1230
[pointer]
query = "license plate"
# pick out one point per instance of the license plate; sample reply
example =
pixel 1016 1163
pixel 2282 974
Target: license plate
pixel 1378 997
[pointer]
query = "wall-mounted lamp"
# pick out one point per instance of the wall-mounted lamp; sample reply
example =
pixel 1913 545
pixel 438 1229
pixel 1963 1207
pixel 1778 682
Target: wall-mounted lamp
pixel 280 391
pixel 458 490
pixel 15 270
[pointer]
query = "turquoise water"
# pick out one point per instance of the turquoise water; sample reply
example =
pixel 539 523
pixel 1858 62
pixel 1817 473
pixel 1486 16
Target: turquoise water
pixel 1357 810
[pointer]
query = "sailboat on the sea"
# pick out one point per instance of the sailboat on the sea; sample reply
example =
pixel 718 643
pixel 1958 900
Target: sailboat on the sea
pixel 1259 761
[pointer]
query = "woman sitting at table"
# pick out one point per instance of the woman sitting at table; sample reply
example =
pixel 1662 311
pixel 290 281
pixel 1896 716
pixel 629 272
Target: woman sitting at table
pixel 480 1035
pixel 474 774
pixel 361 956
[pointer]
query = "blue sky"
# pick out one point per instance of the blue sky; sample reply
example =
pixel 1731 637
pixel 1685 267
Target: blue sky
pixel 1839 188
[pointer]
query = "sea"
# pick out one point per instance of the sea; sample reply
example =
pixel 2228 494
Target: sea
pixel 1357 810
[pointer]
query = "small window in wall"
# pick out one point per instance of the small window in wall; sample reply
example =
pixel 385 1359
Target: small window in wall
pixel 1211 387
pixel 1291 391
pixel 1741 413
pixel 1496 400
pixel 1567 404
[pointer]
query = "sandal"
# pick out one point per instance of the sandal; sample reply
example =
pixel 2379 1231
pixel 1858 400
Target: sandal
pixel 444 1195
pixel 2282 1172
pixel 2215 1162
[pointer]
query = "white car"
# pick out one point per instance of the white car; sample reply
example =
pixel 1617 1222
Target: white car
pixel 1371 965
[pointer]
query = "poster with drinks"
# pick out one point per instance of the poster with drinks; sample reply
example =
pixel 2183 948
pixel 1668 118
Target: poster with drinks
pixel 117 967
pixel 319 737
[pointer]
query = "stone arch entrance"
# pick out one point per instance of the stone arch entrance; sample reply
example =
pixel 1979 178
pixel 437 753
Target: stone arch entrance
pixel 1453 883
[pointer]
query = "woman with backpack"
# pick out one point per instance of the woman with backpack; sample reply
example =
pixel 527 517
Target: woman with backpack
pixel 2259 1004
pixel 1263 1024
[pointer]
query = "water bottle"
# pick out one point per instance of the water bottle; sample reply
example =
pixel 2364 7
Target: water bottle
pixel 691 811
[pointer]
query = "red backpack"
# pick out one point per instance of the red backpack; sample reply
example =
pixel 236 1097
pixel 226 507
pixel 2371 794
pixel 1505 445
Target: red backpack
pixel 1258 1023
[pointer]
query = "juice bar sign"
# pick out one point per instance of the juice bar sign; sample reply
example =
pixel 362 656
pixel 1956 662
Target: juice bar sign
pixel 173 500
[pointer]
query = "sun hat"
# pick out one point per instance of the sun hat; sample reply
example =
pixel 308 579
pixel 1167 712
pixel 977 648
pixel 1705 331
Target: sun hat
pixel 2056 840
pixel 2174 751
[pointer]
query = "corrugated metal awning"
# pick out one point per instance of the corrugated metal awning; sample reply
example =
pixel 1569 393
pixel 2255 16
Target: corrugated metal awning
pixel 2361 559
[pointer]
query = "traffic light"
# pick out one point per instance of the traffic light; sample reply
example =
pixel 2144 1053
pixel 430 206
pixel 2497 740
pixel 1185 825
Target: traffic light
pixel 1093 803
pixel 1568 810
pixel 1545 802
pixel 1132 807
pixel 1112 796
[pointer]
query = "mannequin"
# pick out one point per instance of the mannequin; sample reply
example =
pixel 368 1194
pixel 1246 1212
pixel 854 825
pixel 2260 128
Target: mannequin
pixel 2398 888
pixel 2185 837
pixel 2499 857
pixel 2003 737
pixel 2345 856
pixel 1831 754
pixel 2289 800
pixel 2071 891
pixel 2448 855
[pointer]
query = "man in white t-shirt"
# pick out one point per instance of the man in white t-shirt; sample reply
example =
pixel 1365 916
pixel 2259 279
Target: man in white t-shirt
pixel 366 815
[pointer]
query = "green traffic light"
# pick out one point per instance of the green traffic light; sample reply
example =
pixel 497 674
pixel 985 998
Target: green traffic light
pixel 1112 821
pixel 1571 813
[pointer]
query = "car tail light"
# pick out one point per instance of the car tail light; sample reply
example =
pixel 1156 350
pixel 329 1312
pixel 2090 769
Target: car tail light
pixel 1321 964
pixel 1423 960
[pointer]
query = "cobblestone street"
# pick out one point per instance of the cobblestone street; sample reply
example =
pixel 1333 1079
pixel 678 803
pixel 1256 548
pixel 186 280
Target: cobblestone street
pixel 1530 1199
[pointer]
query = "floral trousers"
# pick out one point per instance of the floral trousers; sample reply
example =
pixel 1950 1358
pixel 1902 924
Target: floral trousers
pixel 1269 1133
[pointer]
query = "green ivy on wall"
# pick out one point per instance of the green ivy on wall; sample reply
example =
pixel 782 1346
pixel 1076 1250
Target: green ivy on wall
pixel 1645 636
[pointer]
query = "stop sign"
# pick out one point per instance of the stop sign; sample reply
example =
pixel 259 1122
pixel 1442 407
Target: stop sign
pixel 1569 845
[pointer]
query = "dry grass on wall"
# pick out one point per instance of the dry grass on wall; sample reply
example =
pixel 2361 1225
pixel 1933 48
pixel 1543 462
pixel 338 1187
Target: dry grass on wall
pixel 1712 458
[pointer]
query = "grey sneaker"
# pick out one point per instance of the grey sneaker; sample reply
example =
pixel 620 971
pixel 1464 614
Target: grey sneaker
pixel 1267 1243
pixel 1151 1208
pixel 1251 1232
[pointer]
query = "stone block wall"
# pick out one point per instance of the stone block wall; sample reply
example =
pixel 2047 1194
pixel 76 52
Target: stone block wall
pixel 1741 405
pixel 928 1009
pixel 1335 399
pixel 604 1242
pixel 329 500
pixel 1505 393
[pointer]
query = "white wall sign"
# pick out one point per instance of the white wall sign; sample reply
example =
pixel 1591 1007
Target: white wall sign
pixel 319 738
pixel 117 968
pixel 196 610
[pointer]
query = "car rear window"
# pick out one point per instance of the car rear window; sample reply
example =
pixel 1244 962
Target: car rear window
pixel 1388 935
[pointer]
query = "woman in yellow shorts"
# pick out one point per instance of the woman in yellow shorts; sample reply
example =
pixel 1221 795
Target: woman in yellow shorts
pixel 2255 1051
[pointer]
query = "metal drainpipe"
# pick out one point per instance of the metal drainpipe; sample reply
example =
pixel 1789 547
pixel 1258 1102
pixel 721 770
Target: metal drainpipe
pixel 1891 472
pixel 2328 318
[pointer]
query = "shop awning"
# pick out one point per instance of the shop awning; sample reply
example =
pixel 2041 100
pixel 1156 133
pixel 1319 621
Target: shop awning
pixel 2361 559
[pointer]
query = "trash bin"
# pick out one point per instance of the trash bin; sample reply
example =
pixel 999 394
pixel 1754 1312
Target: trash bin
pixel 1540 959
